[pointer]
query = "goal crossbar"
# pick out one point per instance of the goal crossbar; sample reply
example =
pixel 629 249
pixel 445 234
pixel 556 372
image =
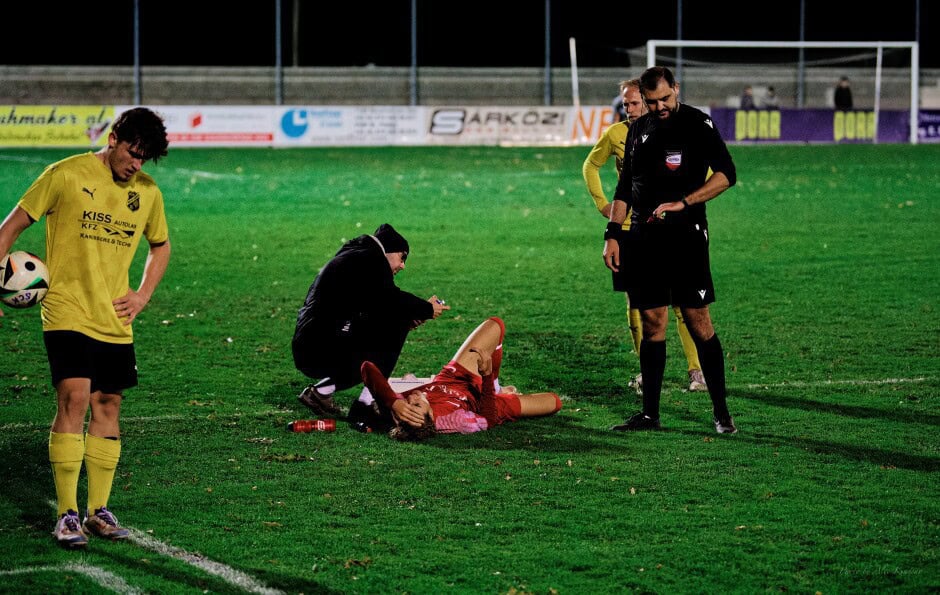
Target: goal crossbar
pixel 879 46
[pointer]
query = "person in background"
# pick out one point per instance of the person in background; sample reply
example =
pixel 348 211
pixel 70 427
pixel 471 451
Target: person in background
pixel 747 98
pixel 610 144
pixel 98 207
pixel 354 312
pixel 770 99
pixel 464 397
pixel 663 259
pixel 842 97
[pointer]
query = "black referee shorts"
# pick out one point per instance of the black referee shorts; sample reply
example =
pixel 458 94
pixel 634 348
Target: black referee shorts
pixel 112 367
pixel 665 265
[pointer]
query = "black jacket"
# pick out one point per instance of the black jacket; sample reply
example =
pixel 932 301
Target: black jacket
pixel 354 289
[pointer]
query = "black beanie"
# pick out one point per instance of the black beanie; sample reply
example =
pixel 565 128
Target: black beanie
pixel 391 240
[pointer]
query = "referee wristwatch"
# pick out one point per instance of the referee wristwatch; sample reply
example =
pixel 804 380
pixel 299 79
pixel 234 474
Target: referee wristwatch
pixel 685 202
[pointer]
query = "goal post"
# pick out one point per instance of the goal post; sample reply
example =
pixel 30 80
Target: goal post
pixel 654 45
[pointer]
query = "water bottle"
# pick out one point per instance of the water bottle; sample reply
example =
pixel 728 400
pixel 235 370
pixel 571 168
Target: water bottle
pixel 312 425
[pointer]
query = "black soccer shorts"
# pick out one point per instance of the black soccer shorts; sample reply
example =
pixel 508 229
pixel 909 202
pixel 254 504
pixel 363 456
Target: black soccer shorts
pixel 112 367
pixel 667 265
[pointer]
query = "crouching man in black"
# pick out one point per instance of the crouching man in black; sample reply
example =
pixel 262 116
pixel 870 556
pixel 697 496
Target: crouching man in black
pixel 354 313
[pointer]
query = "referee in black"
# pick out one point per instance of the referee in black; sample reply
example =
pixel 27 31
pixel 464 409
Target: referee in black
pixel 662 259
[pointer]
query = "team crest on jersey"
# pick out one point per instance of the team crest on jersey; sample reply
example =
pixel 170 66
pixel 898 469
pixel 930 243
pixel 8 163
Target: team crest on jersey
pixel 673 160
pixel 133 200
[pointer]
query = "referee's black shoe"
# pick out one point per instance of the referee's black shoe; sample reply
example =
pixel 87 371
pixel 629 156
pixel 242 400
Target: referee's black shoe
pixel 639 421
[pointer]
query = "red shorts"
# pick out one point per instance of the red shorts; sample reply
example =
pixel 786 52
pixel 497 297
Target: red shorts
pixel 456 398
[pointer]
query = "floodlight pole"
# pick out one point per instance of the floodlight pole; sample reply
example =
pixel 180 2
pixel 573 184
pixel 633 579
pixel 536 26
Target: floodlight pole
pixel 278 59
pixel 548 53
pixel 679 36
pixel 137 85
pixel 413 69
pixel 801 65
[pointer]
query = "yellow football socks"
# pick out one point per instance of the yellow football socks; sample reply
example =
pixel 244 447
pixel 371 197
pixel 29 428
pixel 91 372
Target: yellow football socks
pixel 65 455
pixel 688 345
pixel 101 459
pixel 636 328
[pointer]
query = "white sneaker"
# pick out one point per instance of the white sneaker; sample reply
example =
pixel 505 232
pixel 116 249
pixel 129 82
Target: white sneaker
pixel 68 531
pixel 697 382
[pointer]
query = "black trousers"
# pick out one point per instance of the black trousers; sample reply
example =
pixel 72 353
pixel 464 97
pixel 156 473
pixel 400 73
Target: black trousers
pixel 338 353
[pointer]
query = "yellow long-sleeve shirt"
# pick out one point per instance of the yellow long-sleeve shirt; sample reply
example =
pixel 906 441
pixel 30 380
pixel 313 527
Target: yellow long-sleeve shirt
pixel 611 143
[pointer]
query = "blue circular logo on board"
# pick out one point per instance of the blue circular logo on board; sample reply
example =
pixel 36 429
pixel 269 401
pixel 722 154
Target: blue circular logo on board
pixel 294 122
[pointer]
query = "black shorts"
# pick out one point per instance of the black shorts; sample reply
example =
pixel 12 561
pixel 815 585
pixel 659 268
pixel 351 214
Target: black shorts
pixel 663 265
pixel 112 367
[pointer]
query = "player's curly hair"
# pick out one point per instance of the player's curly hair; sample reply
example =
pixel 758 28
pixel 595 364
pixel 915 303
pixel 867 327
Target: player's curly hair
pixel 144 131
pixel 408 433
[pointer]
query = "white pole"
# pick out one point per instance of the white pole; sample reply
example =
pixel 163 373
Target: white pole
pixel 878 60
pixel 915 90
pixel 575 98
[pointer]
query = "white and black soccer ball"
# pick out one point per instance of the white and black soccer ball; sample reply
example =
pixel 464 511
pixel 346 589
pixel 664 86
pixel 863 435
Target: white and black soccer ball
pixel 24 279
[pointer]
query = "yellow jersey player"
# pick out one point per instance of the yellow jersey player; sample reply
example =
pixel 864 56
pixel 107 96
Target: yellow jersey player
pixel 611 144
pixel 98 207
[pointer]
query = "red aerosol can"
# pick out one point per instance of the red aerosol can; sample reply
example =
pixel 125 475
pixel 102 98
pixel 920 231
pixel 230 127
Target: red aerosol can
pixel 312 425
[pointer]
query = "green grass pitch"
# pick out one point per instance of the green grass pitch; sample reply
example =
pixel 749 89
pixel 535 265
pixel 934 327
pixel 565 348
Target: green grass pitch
pixel 827 271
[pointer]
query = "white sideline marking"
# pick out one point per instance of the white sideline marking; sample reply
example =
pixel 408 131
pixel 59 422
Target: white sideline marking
pixel 233 577
pixel 182 171
pixel 407 384
pixel 210 175
pixel 24 159
pixel 818 384
pixel 143 418
pixel 105 579
pixel 223 571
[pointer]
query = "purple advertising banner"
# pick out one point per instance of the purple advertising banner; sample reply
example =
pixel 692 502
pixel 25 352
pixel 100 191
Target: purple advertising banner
pixel 815 125
pixel 928 126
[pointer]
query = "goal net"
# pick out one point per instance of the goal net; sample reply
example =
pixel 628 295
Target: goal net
pixel 795 75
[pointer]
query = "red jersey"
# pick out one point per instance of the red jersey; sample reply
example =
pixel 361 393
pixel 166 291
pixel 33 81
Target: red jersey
pixel 464 403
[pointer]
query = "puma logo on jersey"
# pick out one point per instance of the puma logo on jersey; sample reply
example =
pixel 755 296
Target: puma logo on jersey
pixel 90 193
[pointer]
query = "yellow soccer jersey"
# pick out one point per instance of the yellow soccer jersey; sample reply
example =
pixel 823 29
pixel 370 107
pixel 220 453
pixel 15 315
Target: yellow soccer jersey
pixel 93 227
pixel 611 142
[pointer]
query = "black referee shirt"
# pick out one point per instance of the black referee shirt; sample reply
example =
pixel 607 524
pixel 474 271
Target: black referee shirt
pixel 668 159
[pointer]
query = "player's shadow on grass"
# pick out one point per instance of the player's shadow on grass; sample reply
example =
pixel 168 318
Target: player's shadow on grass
pixel 858 452
pixel 27 479
pixel 815 406
pixel 557 433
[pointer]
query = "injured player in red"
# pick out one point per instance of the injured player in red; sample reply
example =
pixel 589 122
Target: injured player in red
pixel 464 397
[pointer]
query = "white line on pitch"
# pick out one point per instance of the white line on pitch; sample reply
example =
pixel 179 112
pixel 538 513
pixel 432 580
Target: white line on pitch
pixel 223 571
pixel 146 418
pixel 23 159
pixel 227 573
pixel 211 175
pixel 104 578
pixel 822 383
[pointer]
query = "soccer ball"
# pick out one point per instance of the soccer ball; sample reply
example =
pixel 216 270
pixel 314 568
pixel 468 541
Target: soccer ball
pixel 24 279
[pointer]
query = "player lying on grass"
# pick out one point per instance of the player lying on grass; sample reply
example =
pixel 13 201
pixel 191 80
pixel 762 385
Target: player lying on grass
pixel 464 397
